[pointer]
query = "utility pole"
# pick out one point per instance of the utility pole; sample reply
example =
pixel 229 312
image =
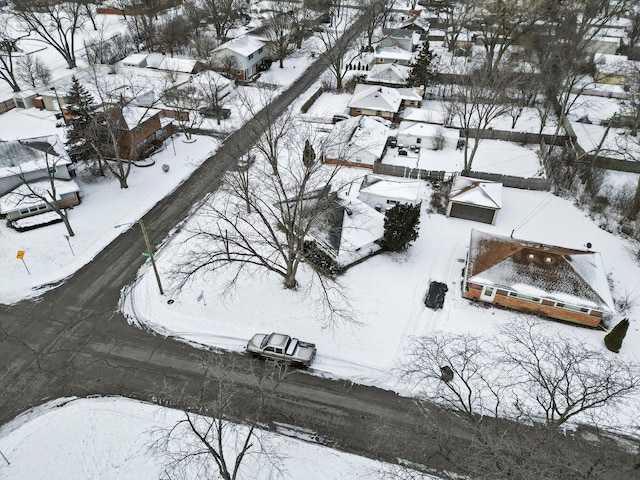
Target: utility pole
pixel 150 252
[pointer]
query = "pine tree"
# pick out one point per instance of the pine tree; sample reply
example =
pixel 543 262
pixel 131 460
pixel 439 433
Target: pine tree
pixel 79 110
pixel 613 339
pixel 422 72
pixel 308 155
pixel 401 224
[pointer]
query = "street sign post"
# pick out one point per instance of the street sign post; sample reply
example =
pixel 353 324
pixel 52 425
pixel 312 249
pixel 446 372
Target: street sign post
pixel 20 256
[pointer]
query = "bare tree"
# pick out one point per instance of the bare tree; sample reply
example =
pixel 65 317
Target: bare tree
pixel 10 52
pixel 213 440
pixel 38 192
pixel 213 88
pixel 56 23
pixel 562 378
pixel 280 33
pixel 185 101
pixel 375 14
pixel 223 15
pixel 454 370
pixel 33 71
pixel 337 40
pixel 480 100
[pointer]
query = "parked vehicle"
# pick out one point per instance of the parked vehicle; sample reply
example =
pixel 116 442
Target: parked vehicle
pixel 403 152
pixel 277 346
pixel 435 295
pixel 209 112
pixel 392 142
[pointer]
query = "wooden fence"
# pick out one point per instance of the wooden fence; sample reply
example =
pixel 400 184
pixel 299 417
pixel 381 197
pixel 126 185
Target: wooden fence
pixel 543 184
pixel 407 172
pixel 7 105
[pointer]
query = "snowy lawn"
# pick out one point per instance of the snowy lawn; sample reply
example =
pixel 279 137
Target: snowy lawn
pixel 109 438
pixel 385 293
pixel 104 205
pixel 493 156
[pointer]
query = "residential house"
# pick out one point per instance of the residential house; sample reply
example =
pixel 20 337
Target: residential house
pixel 140 128
pixel 350 232
pixel 475 199
pixel 388 74
pixel 614 69
pixel 383 193
pixel 138 60
pixel 34 161
pixel 561 283
pixel 396 46
pixel 358 141
pixel 374 100
pixel 243 54
pixel 427 135
pixel 180 64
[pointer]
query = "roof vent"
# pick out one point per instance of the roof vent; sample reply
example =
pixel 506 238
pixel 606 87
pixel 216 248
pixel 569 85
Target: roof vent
pixel 531 257
pixel 548 260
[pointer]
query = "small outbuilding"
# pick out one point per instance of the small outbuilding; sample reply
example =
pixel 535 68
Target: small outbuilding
pixel 475 199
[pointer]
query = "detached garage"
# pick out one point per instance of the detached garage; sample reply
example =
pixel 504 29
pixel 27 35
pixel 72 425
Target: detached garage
pixel 475 199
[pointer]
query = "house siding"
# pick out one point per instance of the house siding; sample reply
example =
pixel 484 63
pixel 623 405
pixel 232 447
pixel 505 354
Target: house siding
pixel 353 111
pixel 545 308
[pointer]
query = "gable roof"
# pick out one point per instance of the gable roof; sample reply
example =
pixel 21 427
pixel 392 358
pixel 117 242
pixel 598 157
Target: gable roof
pixel 389 73
pixel 244 45
pixel 575 277
pixel 426 130
pixel 30 155
pixel 399 189
pixel 361 136
pixel 392 52
pixel 348 232
pixel 473 191
pixel 23 196
pixel 370 97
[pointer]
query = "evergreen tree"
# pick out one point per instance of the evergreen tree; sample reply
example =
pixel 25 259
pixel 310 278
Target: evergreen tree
pixel 613 339
pixel 422 72
pixel 401 224
pixel 79 112
pixel 308 155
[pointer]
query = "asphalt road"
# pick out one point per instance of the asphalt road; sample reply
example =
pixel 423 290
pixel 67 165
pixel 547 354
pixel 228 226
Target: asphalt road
pixel 73 341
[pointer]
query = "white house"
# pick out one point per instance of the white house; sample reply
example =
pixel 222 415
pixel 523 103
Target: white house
pixel 247 52
pixel 359 141
pixel 427 135
pixel 350 232
pixel 396 46
pixel 374 100
pixel 389 74
pixel 383 193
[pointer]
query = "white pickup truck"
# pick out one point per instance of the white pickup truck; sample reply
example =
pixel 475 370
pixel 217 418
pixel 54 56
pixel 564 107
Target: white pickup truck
pixel 282 347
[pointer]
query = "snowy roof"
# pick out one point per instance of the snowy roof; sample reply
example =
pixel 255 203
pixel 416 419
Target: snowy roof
pixel 135 59
pixel 358 137
pixel 349 231
pixel 424 115
pixel 426 130
pixel 22 197
pixel 30 154
pixel 393 52
pixel 134 116
pixel 576 277
pixel 474 191
pixel 178 64
pixel 614 64
pixel 244 45
pixel 409 94
pixel 389 73
pixel 384 99
pixel 399 189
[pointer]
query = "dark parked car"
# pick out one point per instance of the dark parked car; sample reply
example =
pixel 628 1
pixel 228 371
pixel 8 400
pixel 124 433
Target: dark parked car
pixel 403 152
pixel 392 142
pixel 435 295
pixel 338 117
pixel 210 112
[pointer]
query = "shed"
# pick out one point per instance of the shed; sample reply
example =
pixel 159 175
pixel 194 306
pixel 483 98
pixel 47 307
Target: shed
pixel 136 60
pixel 475 199
pixel 24 99
pixel 383 193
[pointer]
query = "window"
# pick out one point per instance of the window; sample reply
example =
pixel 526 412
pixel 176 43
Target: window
pixel 418 140
pixel 392 202
pixel 358 110
pixel 260 51
pixel 378 113
pixel 250 56
pixel 269 349
pixel 160 134
pixel 525 297
pixel 573 308
pixel 52 170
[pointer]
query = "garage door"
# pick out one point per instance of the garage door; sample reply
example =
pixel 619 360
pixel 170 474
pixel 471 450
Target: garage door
pixel 470 212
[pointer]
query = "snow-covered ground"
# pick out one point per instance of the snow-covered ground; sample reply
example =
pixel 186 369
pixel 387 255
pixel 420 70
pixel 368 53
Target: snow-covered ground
pixel 110 438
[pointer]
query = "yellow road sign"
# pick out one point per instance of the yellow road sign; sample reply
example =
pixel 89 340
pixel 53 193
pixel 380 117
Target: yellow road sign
pixel 20 254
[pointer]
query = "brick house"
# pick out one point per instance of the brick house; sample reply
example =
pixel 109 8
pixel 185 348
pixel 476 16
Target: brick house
pixel 375 101
pixel 140 128
pixel 556 282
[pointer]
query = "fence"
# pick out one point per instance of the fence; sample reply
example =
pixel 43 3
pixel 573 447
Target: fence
pixel 519 137
pixel 307 105
pixel 7 105
pixel 514 182
pixel 407 172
